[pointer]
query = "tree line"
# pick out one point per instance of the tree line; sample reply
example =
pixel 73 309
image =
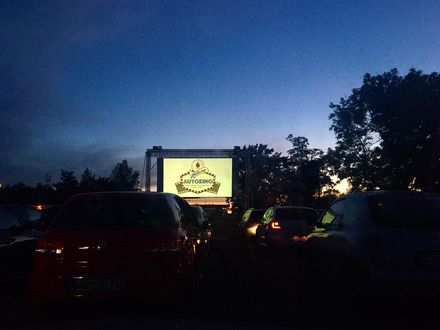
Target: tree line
pixel 387 137
pixel 122 178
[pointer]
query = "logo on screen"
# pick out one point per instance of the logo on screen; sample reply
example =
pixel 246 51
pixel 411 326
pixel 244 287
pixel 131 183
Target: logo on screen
pixel 198 180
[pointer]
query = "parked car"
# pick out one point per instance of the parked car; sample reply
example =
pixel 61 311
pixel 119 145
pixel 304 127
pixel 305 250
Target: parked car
pixel 200 213
pixel 249 222
pixel 17 244
pixel 25 213
pixel 285 226
pixel 118 245
pixel 379 238
pixel 47 216
pixel 205 226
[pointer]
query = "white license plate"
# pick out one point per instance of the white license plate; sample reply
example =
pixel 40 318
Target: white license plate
pixel 99 285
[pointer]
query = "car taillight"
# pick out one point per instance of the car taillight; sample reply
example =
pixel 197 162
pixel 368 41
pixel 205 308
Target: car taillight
pixel 300 238
pixel 47 246
pixel 376 254
pixel 171 244
pixel 275 225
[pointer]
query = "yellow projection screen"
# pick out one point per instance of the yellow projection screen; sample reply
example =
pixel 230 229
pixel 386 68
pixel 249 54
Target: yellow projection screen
pixel 198 177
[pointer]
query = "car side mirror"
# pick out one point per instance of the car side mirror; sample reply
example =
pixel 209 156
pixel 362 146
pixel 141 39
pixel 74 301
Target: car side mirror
pixel 325 226
pixel 320 230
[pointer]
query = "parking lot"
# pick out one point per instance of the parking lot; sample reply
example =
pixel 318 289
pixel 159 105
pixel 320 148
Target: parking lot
pixel 242 289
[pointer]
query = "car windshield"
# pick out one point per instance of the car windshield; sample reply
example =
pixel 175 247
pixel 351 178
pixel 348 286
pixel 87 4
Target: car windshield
pixel 256 215
pixel 7 220
pixel 198 212
pixel 295 214
pixel 110 214
pixel 406 211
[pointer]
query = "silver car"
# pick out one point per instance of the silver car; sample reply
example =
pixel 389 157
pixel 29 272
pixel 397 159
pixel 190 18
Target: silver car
pixel 382 238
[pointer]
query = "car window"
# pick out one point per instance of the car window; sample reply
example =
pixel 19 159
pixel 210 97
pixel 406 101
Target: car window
pixel 185 213
pixel 33 213
pixel 246 215
pixel 406 211
pixel 352 212
pixel 7 220
pixel 200 214
pixel 333 214
pixel 257 215
pixel 110 214
pixel 296 214
pixel 197 212
pixel 268 215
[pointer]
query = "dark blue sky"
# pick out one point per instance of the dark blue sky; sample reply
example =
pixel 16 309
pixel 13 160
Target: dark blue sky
pixel 90 83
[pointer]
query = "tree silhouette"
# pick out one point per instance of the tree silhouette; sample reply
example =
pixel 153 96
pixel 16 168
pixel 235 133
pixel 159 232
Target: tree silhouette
pixel 88 182
pixel 67 186
pixel 306 175
pixel 260 177
pixel 388 132
pixel 123 177
pixel 44 193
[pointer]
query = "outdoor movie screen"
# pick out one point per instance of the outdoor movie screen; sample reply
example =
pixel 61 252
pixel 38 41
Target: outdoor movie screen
pixel 198 177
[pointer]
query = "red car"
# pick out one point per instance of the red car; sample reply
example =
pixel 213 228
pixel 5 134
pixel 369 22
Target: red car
pixel 119 245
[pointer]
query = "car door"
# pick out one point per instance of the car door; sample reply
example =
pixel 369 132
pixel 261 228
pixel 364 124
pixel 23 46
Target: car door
pixel 196 236
pixel 347 241
pixel 323 242
pixel 343 239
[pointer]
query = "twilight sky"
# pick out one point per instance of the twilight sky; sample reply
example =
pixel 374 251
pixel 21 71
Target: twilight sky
pixel 90 83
